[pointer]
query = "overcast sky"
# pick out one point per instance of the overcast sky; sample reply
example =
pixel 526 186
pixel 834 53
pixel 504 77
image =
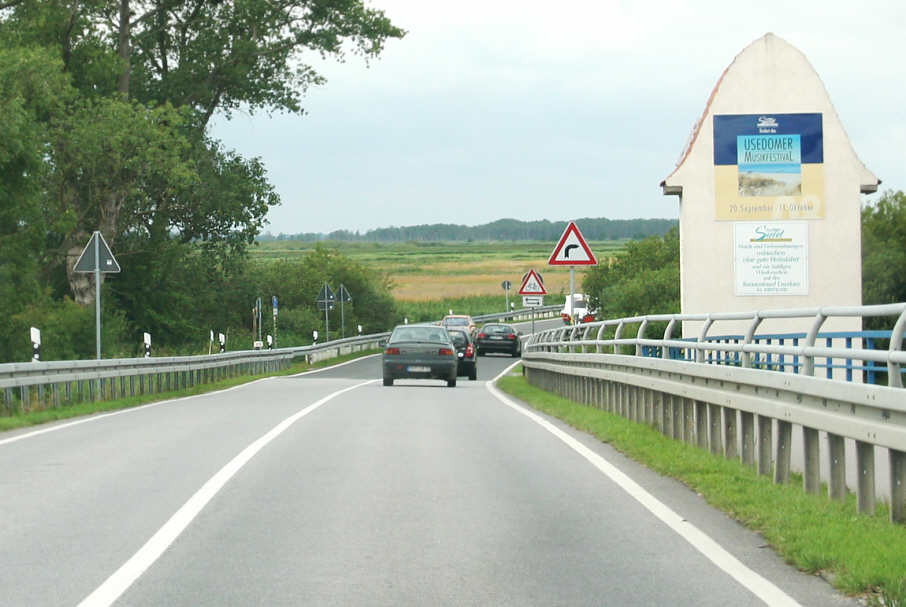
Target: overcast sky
pixel 541 110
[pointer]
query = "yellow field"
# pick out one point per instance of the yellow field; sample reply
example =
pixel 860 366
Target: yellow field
pixel 438 271
pixel 474 279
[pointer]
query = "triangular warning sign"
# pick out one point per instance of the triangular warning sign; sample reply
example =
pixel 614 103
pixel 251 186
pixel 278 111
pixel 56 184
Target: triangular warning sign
pixel 572 250
pixel 107 262
pixel 326 294
pixel 532 285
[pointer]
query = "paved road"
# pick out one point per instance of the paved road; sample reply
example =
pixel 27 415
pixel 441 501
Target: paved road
pixel 330 489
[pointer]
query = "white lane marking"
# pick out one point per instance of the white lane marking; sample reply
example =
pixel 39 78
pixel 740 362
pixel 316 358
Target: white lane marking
pixel 755 583
pixel 97 417
pixel 108 592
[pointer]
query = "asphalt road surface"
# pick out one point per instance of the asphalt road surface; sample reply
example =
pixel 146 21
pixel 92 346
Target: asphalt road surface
pixel 330 489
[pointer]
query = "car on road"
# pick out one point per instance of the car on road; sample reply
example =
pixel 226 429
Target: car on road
pixel 462 321
pixel 466 352
pixel 499 337
pixel 578 312
pixel 420 352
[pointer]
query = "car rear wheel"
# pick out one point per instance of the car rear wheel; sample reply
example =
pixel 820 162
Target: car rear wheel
pixel 473 372
pixel 388 381
pixel 451 383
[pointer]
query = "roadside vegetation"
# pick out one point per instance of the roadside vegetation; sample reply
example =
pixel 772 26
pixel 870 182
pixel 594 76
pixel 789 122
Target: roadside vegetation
pixel 859 554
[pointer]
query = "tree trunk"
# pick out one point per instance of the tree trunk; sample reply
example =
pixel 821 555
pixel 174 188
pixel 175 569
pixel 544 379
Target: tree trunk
pixel 124 49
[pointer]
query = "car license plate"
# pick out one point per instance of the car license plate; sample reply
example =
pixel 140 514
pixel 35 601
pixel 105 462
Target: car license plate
pixel 460 354
pixel 496 336
pixel 418 369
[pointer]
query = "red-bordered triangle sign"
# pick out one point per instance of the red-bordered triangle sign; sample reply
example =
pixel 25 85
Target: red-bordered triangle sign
pixel 572 250
pixel 532 285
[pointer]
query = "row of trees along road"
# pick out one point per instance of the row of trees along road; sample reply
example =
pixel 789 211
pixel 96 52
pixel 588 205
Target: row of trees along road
pixel 106 106
pixel 646 278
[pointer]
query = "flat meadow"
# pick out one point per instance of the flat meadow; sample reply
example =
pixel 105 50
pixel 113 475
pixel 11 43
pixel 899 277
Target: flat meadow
pixel 444 271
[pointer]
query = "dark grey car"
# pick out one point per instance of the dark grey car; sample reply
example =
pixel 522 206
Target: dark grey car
pixel 420 352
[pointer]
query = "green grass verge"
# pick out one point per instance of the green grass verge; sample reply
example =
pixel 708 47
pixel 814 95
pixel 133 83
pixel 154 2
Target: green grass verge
pixel 859 554
pixel 33 418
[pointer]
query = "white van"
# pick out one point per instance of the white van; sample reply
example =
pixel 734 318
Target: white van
pixel 578 310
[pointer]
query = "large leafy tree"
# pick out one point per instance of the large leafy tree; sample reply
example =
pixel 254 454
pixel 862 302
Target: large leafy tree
pixel 884 249
pixel 117 138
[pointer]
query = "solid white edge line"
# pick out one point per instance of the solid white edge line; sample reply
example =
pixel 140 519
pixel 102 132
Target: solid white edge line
pixel 717 554
pixel 100 416
pixel 114 586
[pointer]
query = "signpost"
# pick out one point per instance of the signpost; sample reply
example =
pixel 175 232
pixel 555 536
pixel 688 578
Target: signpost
pixel 274 306
pixel 326 301
pixel 533 292
pixel 572 251
pixel 97 258
pixel 345 297
pixel 506 285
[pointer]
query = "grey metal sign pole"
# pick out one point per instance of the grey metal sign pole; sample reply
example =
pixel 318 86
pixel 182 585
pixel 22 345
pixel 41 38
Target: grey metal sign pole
pixel 89 262
pixel 572 294
pixel 97 295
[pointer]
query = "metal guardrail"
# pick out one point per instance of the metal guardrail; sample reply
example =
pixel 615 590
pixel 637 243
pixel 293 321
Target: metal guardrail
pixel 55 383
pixel 741 396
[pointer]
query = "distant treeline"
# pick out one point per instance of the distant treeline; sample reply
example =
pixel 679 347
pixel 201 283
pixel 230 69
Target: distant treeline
pixel 503 229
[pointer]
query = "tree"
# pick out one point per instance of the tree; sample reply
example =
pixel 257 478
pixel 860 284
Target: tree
pixel 32 91
pixel 645 280
pixel 884 249
pixel 126 149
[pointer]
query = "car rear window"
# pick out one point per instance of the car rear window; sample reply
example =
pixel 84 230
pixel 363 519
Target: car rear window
pixel 496 329
pixel 430 334
pixel 457 322
pixel 458 337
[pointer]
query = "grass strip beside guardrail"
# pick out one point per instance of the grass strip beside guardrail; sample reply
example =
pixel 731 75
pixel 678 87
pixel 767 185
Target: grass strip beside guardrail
pixel 41 416
pixel 859 554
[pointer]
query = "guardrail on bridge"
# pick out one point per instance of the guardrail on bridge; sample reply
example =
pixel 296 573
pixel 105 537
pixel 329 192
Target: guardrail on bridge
pixel 742 395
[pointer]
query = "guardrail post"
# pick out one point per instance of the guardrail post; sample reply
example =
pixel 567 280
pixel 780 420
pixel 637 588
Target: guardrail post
pixel 746 358
pixel 678 429
pixel 730 432
pixel 865 464
pixel 765 431
pixel 897 486
pixel 700 352
pixel 808 367
pixel 782 458
pixel 660 412
pixel 688 421
pixel 701 424
pixel 894 379
pixel 811 474
pixel 747 421
pixel 714 419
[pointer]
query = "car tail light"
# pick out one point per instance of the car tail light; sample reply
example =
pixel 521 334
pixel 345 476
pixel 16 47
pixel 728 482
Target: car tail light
pixel 482 335
pixel 511 336
pixel 469 351
pixel 446 352
pixel 392 351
